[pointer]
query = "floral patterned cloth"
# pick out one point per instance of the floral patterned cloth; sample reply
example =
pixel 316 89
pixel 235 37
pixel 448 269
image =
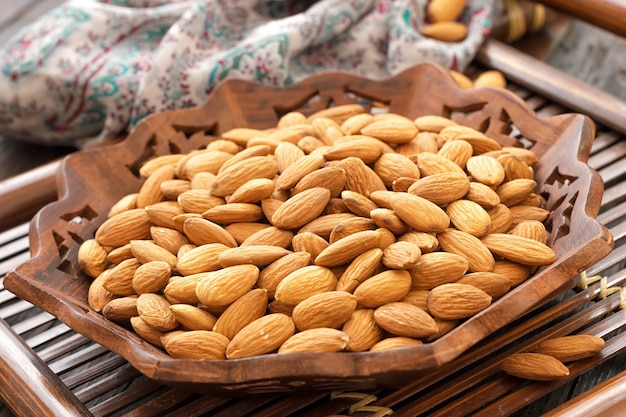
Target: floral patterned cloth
pixel 90 69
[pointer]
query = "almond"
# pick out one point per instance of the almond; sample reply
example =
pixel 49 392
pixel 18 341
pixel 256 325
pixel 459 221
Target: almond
pixel 345 250
pixel 515 272
pixel 157 162
pixel 501 219
pixel 519 249
pixel 401 255
pixel 203 258
pixel 193 318
pixel 515 168
pixel 287 153
pixel 325 224
pixel 445 10
pixel 388 219
pixel 222 287
pixel 402 319
pixel 234 213
pixel 570 348
pixel 203 161
pixel 152 276
pixel 273 274
pixel 301 209
pixel 119 279
pixel 433 123
pixel 240 313
pixel 532 229
pixel 164 213
pixel 183 289
pixel 483 195
pixel 361 268
pixel 128 202
pixel 233 177
pixel 354 124
pixel 146 332
pixel 272 236
pixel 247 153
pixel 330 309
pixel 417 298
pixel 298 170
pixel 242 231
pixel 121 309
pixel 398 130
pixel 147 251
pixel 458 151
pixel 349 227
pixel 358 203
pixel 534 366
pixel 124 227
pixel 478 255
pixel 253 191
pixel 485 169
pixel 360 177
pixel 365 148
pixel 432 163
pixel 441 188
pixel 494 284
pixel 97 295
pixel 315 340
pixel 515 191
pixel 150 191
pixel 362 330
pixel 197 344
pixel 304 282
pixel 437 268
pixel 338 113
pixel 167 238
pixel 384 287
pixel 309 242
pixel 202 231
pixel 395 343
pixel 329 177
pixel 261 336
pixel 117 255
pixel 469 217
pixel 419 213
pixel 291 118
pixel 492 78
pixel 427 242
pixel 154 310
pixel 92 258
pixel 445 31
pixel 457 301
pixel 258 255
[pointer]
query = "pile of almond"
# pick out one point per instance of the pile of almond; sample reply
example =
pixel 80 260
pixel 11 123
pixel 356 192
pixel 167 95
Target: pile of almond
pixel 343 230
pixel 443 20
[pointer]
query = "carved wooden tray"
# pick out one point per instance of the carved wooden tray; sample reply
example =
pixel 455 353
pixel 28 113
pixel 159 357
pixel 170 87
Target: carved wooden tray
pixel 91 181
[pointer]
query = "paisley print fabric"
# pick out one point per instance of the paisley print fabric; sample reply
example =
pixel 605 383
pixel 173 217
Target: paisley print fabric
pixel 91 69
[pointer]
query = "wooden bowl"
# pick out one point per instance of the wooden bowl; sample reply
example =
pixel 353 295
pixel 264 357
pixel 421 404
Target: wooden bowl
pixel 91 181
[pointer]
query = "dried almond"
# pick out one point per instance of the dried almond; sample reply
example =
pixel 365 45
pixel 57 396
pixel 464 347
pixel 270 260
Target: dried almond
pixel 491 78
pixel 241 135
pixel 354 124
pixel 258 255
pixel 124 227
pixel 458 151
pixel 183 289
pixel 519 249
pixel 514 168
pixel 203 161
pixel 120 310
pixel 433 123
pixel 417 298
pixel 350 226
pixel 167 238
pixel 315 340
pixel 494 284
pixel 445 31
pixel 147 251
pixel 97 295
pixel 234 213
pixel 329 177
pixel 304 282
pixel 345 250
pixel 456 301
pixel 150 191
pixel 224 145
pixel 261 336
pixel 501 219
pixel 270 205
pixel 202 231
pixel 92 258
pixel 427 242
pixel 301 208
pixel 192 317
pixel 203 258
pixel 515 191
pixel 419 213
pixel 117 255
pixel 128 202
pixel 222 287
pixel 298 169
pixel 145 331
pixel 437 268
pixel 402 319
pixel 361 268
pixel 469 217
pixel 321 126
pixel 432 163
pixel 291 118
pixel 248 152
pixel 157 162
pixel 273 274
pixel 366 148
pixel 532 229
pixel 570 348
pixel 398 130
pixel 325 224
pixel 358 203
pixel 521 213
pixel 197 344
pixel 287 153
pixel 152 276
pixel 360 177
pixel 242 312
pixel 119 279
pixel 164 213
pixel 272 235
pixel 338 113
pixel 384 287
pixel 395 343
pixel 478 255
pixel 309 242
pixel 253 191
pixel 401 255
pixel 534 366
pixel 515 272
pixel 154 310
pixel 445 10
pixel 485 169
pixel 441 188
pixel 362 330
pixel 402 184
pixel 388 219
pixel 233 177
pixel 330 309
pixel 483 195
pixel 242 231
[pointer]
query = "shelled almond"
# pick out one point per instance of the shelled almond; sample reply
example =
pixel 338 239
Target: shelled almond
pixel 262 243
